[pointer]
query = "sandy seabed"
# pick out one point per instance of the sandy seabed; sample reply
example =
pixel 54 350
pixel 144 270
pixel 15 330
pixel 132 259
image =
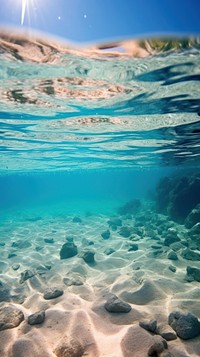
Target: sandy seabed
pixel 77 323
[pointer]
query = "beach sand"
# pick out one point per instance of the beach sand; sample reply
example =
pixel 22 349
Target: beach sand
pixel 136 269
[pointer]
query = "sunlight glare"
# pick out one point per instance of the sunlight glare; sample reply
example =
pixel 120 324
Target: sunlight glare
pixel 24 5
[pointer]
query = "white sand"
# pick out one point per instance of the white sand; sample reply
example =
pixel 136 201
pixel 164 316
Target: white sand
pixel 78 319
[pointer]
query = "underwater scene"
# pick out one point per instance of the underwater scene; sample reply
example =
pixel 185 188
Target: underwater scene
pixel 99 198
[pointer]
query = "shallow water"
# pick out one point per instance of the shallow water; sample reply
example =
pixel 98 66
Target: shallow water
pixel 88 136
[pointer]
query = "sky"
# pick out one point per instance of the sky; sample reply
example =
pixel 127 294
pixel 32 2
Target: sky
pixel 98 20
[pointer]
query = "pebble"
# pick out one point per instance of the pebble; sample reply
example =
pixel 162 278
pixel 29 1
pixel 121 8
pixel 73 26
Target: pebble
pixel 172 268
pixel 36 318
pixel 172 256
pixel 25 275
pixel 49 240
pixel 52 293
pixel 187 326
pixel 106 235
pixel 114 304
pixel 10 317
pixel 157 347
pixel 149 325
pixel 16 266
pixel 87 256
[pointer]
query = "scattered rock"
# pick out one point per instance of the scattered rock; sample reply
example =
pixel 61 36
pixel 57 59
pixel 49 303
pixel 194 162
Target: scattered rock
pixel 4 292
pixel 155 246
pixel 177 246
pixel 68 250
pixel 49 240
pixel 193 273
pixel 69 347
pixel 42 269
pixel 25 275
pixel 190 254
pixel 106 234
pixel 12 255
pixel 38 248
pixel 133 247
pixel 157 347
pixel 36 318
pixel 114 304
pixel 170 240
pixel 186 326
pixel 16 266
pixel 172 268
pixel 172 256
pixel 10 317
pixel 130 207
pixel 21 244
pixel 87 256
pixel 77 219
pixel 149 325
pixel 194 231
pixel 125 231
pixel 116 222
pixel 167 333
pixel 109 251
pixel 2 244
pixel 52 293
pixel 193 217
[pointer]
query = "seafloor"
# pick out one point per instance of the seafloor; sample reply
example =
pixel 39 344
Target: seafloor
pixel 69 269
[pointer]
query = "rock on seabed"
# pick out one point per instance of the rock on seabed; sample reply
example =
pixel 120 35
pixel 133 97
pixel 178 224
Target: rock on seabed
pixel 10 317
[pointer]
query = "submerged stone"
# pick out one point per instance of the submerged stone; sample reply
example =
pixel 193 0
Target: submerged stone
pixel 114 304
pixel 166 332
pixel 158 346
pixel 77 219
pixel 193 217
pixel 16 266
pixel 4 293
pixel 109 251
pixel 190 254
pixel 125 231
pixel 172 268
pixel 21 244
pixel 52 293
pixel 36 318
pixel 25 275
pixel 170 240
pixel 172 256
pixel 49 240
pixel 68 250
pixel 187 326
pixel 106 235
pixel 149 325
pixel 87 256
pixel 115 222
pixel 193 273
pixel 133 247
pixel 12 255
pixel 10 317
pixel 194 231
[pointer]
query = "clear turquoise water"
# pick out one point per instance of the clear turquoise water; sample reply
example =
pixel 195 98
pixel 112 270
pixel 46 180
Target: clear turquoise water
pixel 82 134
pixel 103 128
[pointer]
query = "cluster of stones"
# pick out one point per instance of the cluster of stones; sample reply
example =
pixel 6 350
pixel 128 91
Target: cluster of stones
pixel 11 316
